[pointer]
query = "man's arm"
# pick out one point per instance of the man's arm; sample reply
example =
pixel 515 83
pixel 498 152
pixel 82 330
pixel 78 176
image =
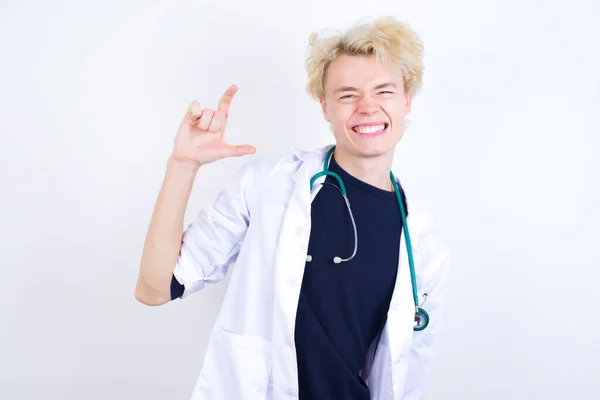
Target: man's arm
pixel 163 241
pixel 199 141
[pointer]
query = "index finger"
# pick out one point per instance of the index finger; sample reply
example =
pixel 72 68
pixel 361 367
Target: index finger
pixel 225 101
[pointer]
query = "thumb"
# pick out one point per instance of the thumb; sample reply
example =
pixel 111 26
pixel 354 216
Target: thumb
pixel 237 151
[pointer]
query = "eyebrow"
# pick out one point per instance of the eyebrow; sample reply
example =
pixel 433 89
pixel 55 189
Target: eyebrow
pixel 353 89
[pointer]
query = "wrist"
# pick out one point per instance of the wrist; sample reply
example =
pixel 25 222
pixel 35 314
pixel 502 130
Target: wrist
pixel 182 167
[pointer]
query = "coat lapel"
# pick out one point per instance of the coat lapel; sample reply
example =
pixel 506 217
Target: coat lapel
pixel 387 362
pixel 290 261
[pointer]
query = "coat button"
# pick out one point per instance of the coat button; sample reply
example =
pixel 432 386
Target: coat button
pixel 292 283
pixel 289 341
pixel 292 392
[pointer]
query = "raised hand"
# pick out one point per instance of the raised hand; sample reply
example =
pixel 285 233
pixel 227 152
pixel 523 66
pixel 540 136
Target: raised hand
pixel 201 136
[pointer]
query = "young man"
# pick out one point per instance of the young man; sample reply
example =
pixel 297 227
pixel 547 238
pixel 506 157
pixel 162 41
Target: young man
pixel 321 303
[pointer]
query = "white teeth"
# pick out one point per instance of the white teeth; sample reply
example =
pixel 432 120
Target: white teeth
pixel 368 130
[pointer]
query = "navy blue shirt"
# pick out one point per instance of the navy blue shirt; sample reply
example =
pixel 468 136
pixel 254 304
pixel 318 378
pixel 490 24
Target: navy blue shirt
pixel 342 307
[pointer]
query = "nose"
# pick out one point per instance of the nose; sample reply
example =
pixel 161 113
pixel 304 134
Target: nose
pixel 367 106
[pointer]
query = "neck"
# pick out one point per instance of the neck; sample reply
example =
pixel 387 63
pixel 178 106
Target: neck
pixel 372 170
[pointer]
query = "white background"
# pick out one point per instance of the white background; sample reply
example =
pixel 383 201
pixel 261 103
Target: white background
pixel 501 149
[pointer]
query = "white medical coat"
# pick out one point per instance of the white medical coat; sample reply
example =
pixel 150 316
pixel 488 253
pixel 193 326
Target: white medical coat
pixel 261 222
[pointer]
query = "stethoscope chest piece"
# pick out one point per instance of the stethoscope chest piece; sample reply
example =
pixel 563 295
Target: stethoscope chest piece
pixel 421 319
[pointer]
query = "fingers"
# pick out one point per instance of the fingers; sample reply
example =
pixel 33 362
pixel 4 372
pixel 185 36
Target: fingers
pixel 218 122
pixel 225 101
pixel 205 119
pixel 211 120
pixel 237 151
pixel 194 112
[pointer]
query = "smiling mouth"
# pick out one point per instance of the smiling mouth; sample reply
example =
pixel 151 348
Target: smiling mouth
pixel 370 129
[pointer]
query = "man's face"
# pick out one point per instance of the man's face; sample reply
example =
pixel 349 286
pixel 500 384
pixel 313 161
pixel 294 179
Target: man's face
pixel 366 104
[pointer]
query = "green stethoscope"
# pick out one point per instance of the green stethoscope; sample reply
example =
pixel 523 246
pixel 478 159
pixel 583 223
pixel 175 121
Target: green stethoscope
pixel 421 316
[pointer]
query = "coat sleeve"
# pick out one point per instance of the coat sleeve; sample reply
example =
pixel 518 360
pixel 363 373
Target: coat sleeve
pixel 211 243
pixel 435 260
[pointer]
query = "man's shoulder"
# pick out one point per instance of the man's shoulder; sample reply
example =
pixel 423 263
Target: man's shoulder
pixel 428 243
pixel 273 170
pixel 284 161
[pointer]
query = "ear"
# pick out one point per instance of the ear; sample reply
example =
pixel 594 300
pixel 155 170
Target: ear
pixel 408 102
pixel 324 109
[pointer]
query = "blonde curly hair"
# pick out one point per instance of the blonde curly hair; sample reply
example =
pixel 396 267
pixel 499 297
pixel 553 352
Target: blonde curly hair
pixel 392 42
